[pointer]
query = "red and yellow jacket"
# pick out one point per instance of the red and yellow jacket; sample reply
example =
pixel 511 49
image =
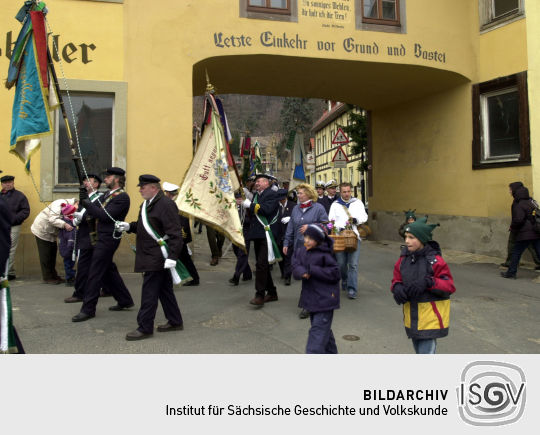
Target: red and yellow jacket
pixel 428 315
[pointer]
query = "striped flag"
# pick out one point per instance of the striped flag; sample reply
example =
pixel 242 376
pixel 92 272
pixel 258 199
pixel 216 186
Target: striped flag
pixel 35 96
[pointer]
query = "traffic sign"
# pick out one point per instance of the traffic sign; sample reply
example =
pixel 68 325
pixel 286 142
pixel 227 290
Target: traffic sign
pixel 340 137
pixel 340 156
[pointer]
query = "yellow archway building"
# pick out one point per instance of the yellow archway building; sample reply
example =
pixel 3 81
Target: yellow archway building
pixel 432 75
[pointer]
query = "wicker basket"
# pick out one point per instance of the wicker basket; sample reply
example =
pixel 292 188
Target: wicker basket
pixel 339 242
pixel 351 241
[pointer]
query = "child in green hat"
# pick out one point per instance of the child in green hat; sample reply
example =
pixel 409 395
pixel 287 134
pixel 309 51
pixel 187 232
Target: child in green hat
pixel 410 217
pixel 422 283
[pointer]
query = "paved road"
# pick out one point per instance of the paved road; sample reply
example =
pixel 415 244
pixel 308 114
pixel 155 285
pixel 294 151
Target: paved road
pixel 489 314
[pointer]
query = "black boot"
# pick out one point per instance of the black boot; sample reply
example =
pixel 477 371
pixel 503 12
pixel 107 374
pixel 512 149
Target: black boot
pixel 508 275
pixel 234 280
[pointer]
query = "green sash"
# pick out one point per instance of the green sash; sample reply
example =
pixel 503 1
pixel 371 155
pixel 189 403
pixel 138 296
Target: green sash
pixel 273 250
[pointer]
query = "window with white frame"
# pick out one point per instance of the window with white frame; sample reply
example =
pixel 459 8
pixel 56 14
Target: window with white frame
pixel 92 131
pixel 494 13
pixel 501 122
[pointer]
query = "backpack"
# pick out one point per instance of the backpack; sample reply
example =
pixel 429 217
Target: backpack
pixel 535 216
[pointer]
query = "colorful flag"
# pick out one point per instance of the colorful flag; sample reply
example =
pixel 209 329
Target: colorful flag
pixel 207 191
pixel 256 166
pixel 34 92
pixel 298 174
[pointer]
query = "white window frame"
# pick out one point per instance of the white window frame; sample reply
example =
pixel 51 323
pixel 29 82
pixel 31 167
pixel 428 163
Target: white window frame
pixel 50 189
pixel 486 142
pixel 488 21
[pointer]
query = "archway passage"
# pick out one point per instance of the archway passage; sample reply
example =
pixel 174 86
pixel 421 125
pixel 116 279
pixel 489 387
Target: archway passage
pixel 371 85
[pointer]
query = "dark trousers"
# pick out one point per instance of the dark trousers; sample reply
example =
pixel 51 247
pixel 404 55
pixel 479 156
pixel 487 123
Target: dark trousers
pixel 185 258
pixel 519 248
pixel 285 265
pixel 69 265
pixel 157 286
pixel 242 262
pixel 47 258
pixel 321 338
pixel 215 240
pixel 83 268
pixel 511 242
pixel 103 272
pixel 263 278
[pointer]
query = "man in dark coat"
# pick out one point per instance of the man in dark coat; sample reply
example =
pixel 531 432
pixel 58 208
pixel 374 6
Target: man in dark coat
pixel 523 228
pixel 512 235
pixel 162 221
pixel 285 209
pixel 112 207
pixel 264 207
pixel 20 209
pixel 6 218
pixel 86 239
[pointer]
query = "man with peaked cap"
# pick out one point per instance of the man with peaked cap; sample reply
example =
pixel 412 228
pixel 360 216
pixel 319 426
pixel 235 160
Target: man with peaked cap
pixel 20 209
pixel 157 224
pixel 6 218
pixel 331 195
pixel 264 207
pixel 86 238
pixel 171 191
pixel 320 187
pixel 111 207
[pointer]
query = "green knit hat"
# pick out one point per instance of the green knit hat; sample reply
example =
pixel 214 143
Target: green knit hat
pixel 421 229
pixel 409 214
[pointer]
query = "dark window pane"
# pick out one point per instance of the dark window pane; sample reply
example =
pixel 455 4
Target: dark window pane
pixel 261 3
pixel 370 9
pixel 503 113
pixel 502 7
pixel 94 113
pixel 281 4
pixel 389 9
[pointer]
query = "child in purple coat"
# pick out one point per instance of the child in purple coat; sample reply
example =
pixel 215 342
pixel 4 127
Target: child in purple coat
pixel 315 264
pixel 66 243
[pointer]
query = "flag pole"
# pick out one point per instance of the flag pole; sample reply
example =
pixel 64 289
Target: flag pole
pixel 210 90
pixel 74 156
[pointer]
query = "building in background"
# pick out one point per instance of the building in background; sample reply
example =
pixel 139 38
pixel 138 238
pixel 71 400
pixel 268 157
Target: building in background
pixel 450 88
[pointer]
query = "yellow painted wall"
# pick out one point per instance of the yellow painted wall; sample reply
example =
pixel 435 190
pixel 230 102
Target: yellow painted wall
pixel 533 76
pixel 75 22
pixel 502 51
pixel 422 159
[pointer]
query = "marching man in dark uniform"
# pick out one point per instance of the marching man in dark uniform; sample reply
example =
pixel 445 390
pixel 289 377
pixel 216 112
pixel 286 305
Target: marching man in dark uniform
pixel 103 271
pixel 86 238
pixel 159 233
pixel 264 212
pixel 285 209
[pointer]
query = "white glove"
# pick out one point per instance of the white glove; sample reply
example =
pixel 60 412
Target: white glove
pixel 285 220
pixel 246 203
pixel 78 215
pixel 122 226
pixel 169 264
pixel 76 221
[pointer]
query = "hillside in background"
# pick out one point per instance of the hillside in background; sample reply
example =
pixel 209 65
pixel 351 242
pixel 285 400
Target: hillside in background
pixel 260 115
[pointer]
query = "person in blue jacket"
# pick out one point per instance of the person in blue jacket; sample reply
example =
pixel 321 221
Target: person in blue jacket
pixel 315 264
